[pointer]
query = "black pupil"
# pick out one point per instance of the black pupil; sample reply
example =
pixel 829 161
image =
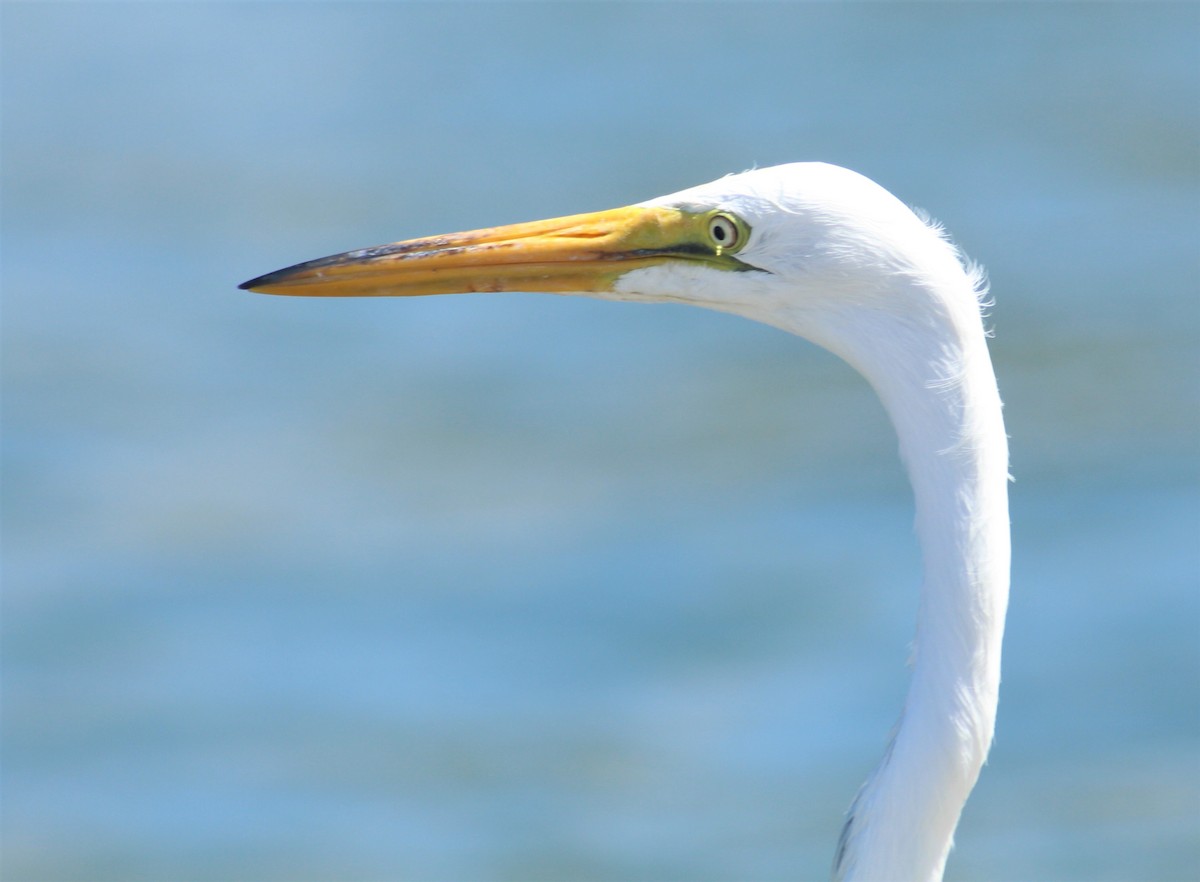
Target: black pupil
pixel 719 231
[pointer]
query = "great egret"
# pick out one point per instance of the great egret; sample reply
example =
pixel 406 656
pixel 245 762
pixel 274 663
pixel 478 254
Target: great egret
pixel 831 256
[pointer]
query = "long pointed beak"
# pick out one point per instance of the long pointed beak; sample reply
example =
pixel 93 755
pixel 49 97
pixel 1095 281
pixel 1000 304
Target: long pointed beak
pixel 583 253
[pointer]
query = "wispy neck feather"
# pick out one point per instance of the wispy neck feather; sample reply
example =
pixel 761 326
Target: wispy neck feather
pixel 929 364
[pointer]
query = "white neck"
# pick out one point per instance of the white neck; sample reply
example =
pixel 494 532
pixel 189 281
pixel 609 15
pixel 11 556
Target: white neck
pixel 929 365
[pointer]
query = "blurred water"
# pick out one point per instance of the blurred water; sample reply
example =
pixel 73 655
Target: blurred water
pixel 526 587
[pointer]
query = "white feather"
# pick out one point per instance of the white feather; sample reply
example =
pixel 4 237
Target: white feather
pixel 845 264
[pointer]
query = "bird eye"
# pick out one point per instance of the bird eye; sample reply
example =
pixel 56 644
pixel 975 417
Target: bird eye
pixel 724 232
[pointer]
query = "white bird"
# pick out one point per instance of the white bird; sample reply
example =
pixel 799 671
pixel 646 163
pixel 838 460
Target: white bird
pixel 828 255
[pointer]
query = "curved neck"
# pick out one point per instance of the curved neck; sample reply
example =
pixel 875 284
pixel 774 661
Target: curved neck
pixel 935 379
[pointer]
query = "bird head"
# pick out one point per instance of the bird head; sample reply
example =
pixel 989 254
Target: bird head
pixel 797 246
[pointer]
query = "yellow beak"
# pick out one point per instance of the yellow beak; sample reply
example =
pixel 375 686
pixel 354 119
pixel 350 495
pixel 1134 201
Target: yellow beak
pixel 583 253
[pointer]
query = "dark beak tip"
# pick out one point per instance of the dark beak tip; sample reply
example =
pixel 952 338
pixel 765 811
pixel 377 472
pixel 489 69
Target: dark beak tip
pixel 265 280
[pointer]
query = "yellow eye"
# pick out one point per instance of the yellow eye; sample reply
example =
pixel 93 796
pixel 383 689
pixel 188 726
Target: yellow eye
pixel 724 232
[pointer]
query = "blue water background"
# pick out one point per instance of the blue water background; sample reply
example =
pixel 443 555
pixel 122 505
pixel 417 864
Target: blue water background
pixel 523 587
